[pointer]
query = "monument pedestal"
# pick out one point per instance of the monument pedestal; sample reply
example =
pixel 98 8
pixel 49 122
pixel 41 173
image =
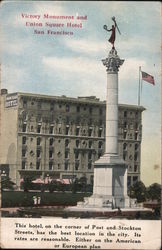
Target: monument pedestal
pixel 110 184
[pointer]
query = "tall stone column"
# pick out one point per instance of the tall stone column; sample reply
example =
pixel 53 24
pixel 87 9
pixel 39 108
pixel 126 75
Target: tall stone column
pixel 112 63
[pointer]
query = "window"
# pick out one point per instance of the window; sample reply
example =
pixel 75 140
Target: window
pixel 76 155
pixel 77 131
pixel 125 124
pixel 125 146
pixel 66 154
pixel 50 153
pixel 59 131
pixel 91 179
pixel 38 153
pixel 51 107
pixel 124 156
pixel 67 108
pixel 100 111
pixel 51 130
pixel 135 168
pixel 90 144
pixel 66 166
pixel 38 128
pixel 76 165
pixel 66 143
pixel 77 143
pixel 89 165
pixel 50 165
pixel 23 165
pixel 125 113
pixel 51 141
pixel 24 127
pixel 23 152
pixel 125 135
pixel 89 156
pixel 38 165
pixel 59 166
pixel 100 132
pixel 38 141
pixel 90 132
pixel 135 179
pixel 136 146
pixel 78 109
pixel 90 110
pixel 24 103
pixel 136 126
pixel 136 156
pixel 129 181
pixel 100 144
pixel 136 136
pixel 24 140
pixel 67 130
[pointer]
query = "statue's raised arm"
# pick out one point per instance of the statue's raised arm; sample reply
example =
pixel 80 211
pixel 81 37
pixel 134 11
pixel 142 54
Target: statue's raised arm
pixel 113 33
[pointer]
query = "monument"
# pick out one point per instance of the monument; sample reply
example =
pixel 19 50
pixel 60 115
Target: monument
pixel 110 171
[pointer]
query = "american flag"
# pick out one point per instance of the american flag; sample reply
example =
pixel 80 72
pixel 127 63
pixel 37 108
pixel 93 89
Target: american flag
pixel 148 78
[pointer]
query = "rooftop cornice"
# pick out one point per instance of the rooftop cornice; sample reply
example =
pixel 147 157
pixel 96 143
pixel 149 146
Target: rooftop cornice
pixel 79 100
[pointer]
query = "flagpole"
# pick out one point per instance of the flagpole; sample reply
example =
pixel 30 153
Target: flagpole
pixel 139 87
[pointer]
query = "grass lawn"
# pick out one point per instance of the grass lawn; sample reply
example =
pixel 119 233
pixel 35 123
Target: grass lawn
pixel 23 199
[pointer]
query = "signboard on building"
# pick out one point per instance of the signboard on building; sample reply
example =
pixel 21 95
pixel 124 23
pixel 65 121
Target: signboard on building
pixel 11 100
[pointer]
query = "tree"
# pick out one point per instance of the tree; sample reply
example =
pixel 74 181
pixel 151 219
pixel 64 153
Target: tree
pixel 154 192
pixel 6 183
pixel 83 183
pixel 27 183
pixel 138 191
pixel 75 186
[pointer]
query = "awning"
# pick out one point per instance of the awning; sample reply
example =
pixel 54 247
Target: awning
pixel 39 181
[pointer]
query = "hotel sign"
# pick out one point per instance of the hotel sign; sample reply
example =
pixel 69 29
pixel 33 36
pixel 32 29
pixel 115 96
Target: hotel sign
pixel 11 100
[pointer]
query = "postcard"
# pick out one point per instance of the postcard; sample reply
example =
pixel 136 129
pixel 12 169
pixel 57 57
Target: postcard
pixel 80 150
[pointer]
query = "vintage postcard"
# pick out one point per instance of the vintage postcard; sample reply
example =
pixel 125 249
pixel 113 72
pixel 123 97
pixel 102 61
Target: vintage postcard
pixel 80 149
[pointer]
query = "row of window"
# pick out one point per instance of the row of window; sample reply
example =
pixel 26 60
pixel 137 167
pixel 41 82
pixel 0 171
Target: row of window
pixel 66 107
pixel 134 169
pixel 125 146
pixel 51 152
pixel 78 143
pixel 67 130
pixel 131 180
pixel 130 113
pixel 131 125
pixel 76 166
pixel 125 156
pixel 131 136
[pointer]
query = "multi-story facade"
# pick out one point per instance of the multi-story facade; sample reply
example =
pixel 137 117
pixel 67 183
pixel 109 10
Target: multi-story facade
pixel 62 137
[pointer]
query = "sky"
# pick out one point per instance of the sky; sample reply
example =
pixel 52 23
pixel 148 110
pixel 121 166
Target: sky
pixel 37 62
